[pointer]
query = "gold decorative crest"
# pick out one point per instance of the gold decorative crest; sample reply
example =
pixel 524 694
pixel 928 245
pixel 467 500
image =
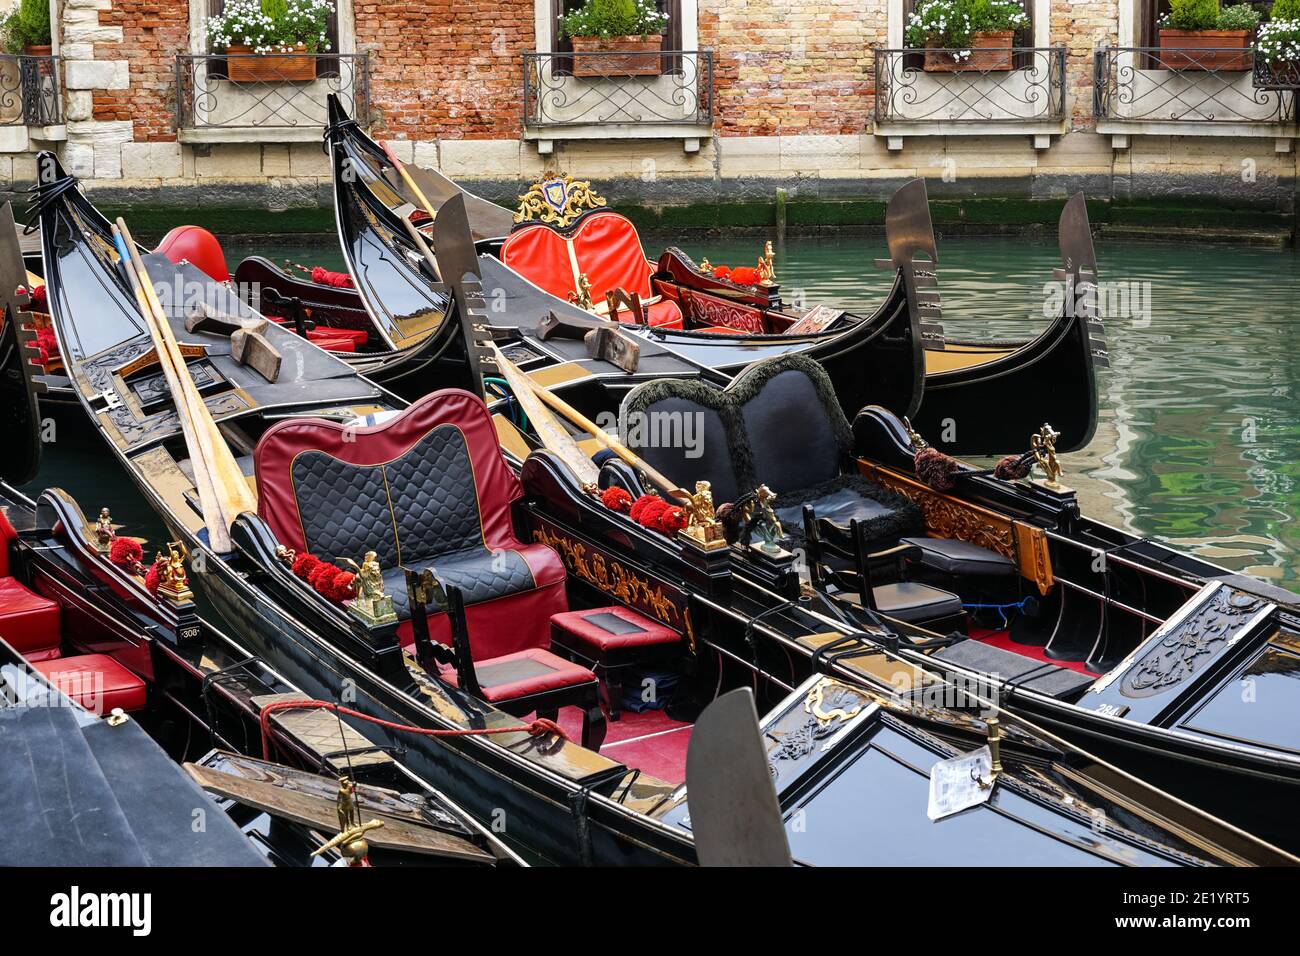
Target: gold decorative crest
pixel 557 199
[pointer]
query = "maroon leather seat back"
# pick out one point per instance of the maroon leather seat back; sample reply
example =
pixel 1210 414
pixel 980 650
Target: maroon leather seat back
pixel 425 489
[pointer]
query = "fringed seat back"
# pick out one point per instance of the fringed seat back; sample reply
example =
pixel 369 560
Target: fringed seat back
pixel 603 245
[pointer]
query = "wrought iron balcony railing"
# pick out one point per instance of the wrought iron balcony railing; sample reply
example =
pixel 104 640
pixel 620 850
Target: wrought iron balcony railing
pixel 662 88
pixel 1166 85
pixel 279 91
pixel 30 91
pixel 982 90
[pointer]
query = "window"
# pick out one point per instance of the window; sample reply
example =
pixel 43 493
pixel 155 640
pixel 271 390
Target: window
pixel 1024 37
pixel 562 44
pixel 324 67
pixel 1150 12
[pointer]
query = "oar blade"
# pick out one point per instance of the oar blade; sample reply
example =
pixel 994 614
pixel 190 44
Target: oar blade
pixel 734 811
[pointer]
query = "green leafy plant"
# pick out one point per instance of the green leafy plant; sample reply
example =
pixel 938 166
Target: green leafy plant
pixel 1192 15
pixel 28 24
pixel 1285 10
pixel 272 26
pixel 1239 16
pixel 615 18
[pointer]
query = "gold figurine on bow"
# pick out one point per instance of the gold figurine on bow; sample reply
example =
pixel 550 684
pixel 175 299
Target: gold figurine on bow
pixel 371 605
pixel 1043 445
pixel 702 525
pixel 173 582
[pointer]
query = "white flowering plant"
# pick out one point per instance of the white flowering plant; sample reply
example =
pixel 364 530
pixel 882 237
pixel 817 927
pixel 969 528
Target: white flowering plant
pixel 952 24
pixel 616 18
pixel 1278 41
pixel 273 26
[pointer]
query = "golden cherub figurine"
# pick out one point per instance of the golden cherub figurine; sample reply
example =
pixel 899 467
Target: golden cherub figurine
pixel 351 839
pixel 702 525
pixel 1043 445
pixel 371 605
pixel 766 265
pixel 173 582
pixel 104 531
pixel 582 297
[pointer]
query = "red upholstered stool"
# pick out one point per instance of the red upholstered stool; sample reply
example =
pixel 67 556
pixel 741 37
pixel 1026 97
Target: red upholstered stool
pixel 612 638
pixel 95 681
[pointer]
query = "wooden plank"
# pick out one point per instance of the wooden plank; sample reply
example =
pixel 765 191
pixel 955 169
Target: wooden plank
pixel 322 814
pixel 322 732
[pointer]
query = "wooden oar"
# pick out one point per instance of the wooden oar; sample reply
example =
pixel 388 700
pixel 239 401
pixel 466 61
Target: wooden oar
pixel 512 373
pixel 553 435
pixel 223 490
pixel 419 193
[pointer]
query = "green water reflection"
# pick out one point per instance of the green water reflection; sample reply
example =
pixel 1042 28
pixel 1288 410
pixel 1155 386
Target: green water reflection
pixel 1199 440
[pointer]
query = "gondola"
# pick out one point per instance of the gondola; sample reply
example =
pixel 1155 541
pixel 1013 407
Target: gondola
pixel 1161 662
pixel 107 689
pixel 454 634
pixel 402 352
pixel 968 394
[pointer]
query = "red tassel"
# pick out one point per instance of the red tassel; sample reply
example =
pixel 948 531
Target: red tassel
pixel 153 577
pixel 40 301
pixel 125 552
pixel 672 520
pixel 341 587
pixel 616 499
pixel 1011 468
pixel 304 564
pixel 322 276
pixel 935 468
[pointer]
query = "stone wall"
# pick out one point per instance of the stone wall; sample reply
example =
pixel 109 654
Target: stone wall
pixel 789 68
pixel 446 68
pixel 793 111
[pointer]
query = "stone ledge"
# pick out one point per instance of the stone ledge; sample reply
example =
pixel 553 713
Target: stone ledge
pixel 1123 128
pixel 256 135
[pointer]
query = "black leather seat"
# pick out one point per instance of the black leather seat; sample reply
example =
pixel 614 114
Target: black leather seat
pixel 778 424
pixel 961 557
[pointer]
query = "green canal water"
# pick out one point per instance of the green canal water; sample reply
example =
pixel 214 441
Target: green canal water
pixel 1199 439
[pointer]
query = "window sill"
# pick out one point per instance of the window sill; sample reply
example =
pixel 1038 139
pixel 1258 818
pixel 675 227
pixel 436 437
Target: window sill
pixel 689 133
pixel 1242 130
pixel 251 134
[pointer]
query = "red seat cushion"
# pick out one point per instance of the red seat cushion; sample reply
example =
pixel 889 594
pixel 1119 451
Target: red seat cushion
pixel 28 621
pixel 96 682
pixel 610 628
pixel 198 246
pixel 523 674
pixel 664 314
pixel 605 245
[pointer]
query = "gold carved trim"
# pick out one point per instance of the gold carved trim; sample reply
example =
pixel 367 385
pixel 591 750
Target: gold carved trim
pixel 618 581
pixel 949 517
pixel 557 199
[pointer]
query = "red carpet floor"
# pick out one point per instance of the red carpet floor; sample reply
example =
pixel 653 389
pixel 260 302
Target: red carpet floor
pixel 651 742
pixel 1002 640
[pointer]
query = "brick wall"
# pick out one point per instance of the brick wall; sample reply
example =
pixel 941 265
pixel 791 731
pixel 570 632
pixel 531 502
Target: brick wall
pixel 444 69
pixel 153 32
pixel 1081 25
pixel 786 68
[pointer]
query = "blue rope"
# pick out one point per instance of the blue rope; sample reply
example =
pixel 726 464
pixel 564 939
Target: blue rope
pixel 1000 608
pixel 517 413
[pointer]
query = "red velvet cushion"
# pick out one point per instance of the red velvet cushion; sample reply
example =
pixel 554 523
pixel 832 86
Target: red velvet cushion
pixel 96 682
pixel 200 247
pixel 523 674
pixel 605 244
pixel 28 621
pixel 497 485
pixel 580 628
pixel 662 315
pixel 512 623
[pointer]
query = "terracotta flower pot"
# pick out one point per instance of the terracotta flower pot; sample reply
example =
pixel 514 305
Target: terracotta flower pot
pixel 44 50
pixel 1178 50
pixel 623 56
pixel 275 68
pixel 990 52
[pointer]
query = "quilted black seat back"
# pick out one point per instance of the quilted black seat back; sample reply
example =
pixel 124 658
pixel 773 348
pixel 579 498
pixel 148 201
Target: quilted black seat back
pixel 679 427
pixel 343 508
pixel 777 423
pixel 798 435
pixel 417 506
